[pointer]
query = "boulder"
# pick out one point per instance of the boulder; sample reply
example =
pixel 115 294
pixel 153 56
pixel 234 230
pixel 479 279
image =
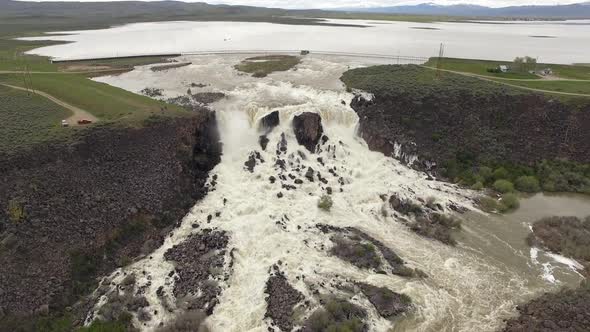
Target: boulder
pixel 308 130
pixel 269 121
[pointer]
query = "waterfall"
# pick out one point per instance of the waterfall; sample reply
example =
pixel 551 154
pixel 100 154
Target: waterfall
pixel 270 221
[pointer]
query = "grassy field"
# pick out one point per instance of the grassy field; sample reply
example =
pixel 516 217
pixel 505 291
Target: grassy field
pixel 557 86
pixel 12 55
pixel 418 80
pixel 29 119
pixel 480 67
pixel 106 102
pixel 260 66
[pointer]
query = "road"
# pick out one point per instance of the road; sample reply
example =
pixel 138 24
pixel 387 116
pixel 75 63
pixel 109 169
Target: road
pixel 79 113
pixel 488 78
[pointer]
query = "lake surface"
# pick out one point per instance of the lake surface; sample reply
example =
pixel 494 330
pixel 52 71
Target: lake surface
pixel 556 42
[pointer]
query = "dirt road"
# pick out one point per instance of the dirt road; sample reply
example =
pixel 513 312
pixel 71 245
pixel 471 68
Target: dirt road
pixel 79 113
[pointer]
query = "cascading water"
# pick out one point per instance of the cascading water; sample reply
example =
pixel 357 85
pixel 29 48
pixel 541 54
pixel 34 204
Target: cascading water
pixel 270 215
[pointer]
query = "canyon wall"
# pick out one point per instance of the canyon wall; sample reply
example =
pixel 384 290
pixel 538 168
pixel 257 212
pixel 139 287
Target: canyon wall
pixel 72 212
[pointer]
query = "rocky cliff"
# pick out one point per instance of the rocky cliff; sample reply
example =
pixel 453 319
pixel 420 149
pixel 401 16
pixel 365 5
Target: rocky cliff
pixel 70 213
pixel 454 125
pixel 514 128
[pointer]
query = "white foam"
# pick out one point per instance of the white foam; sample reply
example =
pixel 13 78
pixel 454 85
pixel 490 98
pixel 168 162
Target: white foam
pixel 569 262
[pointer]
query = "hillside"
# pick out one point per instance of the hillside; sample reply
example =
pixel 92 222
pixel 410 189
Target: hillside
pixel 573 11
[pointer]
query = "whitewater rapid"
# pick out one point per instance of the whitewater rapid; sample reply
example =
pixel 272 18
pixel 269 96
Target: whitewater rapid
pixel 467 288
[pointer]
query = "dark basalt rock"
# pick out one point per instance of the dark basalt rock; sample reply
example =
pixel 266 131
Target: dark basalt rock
pixel 426 220
pixel 281 300
pixel 360 249
pixel 253 159
pixel 79 198
pixel 268 122
pixel 309 174
pixel 263 141
pixel 308 130
pixel 282 145
pixel 195 259
pixel 437 126
pixel 388 303
pixel 567 310
pixel 207 97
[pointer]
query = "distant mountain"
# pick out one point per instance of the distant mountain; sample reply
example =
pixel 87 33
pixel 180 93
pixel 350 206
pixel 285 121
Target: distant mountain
pixel 574 11
pixel 40 16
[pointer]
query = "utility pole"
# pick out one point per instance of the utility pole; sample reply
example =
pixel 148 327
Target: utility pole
pixel 441 54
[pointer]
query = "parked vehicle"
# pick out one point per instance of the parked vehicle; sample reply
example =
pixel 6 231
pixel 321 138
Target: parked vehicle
pixel 84 122
pixel 64 123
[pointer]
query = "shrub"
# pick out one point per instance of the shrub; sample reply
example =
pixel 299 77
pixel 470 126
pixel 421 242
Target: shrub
pixel 503 186
pixel 16 211
pixel 488 204
pixel 500 173
pixel 336 316
pixel 325 203
pixel 528 184
pixel 486 173
pixel 477 186
pixel 509 202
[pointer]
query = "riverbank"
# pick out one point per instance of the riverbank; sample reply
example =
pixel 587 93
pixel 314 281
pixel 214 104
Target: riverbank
pixel 78 210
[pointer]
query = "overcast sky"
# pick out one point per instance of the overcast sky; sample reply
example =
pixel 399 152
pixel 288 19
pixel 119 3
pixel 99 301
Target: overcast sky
pixel 369 3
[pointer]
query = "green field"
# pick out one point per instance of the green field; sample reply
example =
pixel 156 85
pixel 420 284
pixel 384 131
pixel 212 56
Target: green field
pixel 419 80
pixel 480 67
pixel 29 119
pixel 106 102
pixel 12 55
pixel 582 87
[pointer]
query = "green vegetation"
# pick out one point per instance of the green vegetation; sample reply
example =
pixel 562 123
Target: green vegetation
pixel 437 226
pixel 527 184
pixel 578 87
pixel 325 203
pixel 62 323
pixel 503 186
pixel 569 236
pixel 12 55
pixel 121 325
pixel 16 211
pixel 336 316
pixel 353 250
pixel 27 119
pixel 553 176
pixel 479 67
pixel 261 66
pixel 507 203
pixel 106 102
pixel 419 81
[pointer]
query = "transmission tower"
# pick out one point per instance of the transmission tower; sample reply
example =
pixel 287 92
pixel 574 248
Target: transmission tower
pixel 441 54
